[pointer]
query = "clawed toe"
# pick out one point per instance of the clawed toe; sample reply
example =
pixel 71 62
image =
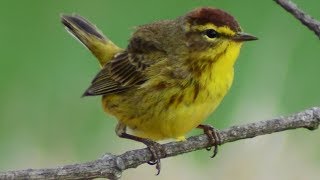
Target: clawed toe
pixel 156 151
pixel 214 138
pixel 155 148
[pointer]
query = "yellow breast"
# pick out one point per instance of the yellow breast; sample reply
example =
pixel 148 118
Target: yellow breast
pixel 185 112
pixel 173 112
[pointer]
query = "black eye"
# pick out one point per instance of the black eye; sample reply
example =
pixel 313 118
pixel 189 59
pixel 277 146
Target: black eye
pixel 211 33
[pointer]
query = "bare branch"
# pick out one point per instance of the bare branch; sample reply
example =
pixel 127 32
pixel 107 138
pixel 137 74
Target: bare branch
pixel 303 17
pixel 111 166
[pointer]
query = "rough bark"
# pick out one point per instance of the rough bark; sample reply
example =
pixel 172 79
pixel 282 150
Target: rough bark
pixel 111 166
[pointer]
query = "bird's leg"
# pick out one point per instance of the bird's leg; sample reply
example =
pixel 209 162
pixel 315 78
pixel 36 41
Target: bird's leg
pixel 214 137
pixel 155 148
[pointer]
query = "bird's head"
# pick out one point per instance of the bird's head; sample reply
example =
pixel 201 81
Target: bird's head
pixel 211 32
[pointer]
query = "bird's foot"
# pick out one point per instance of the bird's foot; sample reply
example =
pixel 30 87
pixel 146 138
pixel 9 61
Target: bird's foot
pixel 155 148
pixel 214 138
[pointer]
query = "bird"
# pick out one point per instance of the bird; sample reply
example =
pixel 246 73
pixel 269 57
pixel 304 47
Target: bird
pixel 171 76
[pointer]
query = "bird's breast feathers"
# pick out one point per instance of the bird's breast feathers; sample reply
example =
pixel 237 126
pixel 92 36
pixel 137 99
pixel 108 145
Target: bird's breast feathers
pixel 171 111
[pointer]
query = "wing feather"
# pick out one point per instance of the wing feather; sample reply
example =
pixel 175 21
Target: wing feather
pixel 125 70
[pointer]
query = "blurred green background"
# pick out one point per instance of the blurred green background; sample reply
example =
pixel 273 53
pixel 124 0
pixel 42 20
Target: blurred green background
pixel 44 71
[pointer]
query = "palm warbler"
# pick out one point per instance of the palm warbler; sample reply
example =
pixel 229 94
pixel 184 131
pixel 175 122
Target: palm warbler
pixel 171 76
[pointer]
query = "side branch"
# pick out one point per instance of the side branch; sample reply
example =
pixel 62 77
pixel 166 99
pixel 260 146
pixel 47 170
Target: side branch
pixel 111 166
pixel 303 17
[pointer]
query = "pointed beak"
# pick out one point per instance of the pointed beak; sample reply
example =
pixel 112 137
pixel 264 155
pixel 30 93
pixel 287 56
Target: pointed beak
pixel 241 36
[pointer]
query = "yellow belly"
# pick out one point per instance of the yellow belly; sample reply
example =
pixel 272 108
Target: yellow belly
pixel 176 121
pixel 173 111
pixel 152 114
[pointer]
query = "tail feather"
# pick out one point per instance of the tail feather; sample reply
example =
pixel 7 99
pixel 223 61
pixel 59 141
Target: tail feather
pixel 91 37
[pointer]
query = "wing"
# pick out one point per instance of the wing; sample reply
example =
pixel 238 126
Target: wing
pixel 125 70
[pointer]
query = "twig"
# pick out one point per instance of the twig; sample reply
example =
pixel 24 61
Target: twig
pixel 111 166
pixel 303 17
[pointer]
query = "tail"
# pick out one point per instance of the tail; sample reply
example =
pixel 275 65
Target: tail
pixel 90 36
